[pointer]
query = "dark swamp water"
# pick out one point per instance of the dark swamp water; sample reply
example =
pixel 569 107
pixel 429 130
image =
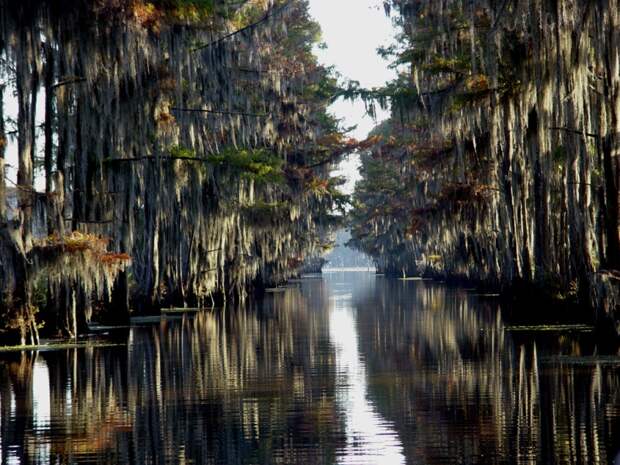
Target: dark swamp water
pixel 349 369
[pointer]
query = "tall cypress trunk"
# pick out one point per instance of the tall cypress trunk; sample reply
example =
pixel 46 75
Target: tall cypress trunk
pixel 25 136
pixel 26 82
pixel 3 142
pixel 51 200
pixel 611 204
pixel 608 145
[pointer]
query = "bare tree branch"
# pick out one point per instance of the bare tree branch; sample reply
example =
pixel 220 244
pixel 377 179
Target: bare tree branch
pixel 268 15
pixel 220 112
pixel 575 131
pixel 69 80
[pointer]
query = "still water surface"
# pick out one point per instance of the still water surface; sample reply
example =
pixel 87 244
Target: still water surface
pixel 348 369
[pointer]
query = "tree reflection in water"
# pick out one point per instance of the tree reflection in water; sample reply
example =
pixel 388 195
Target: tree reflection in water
pixel 244 386
pixel 345 370
pixel 461 389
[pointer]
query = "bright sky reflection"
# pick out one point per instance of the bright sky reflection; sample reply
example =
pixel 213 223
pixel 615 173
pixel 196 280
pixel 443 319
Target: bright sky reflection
pixel 41 407
pixel 370 439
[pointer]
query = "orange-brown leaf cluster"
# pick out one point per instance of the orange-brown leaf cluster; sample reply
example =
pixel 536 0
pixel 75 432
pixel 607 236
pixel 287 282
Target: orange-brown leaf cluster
pixel 416 224
pixel 77 242
pixel 369 142
pixel 462 193
pixel 111 258
pixel 165 119
pixel 477 83
pixel 318 186
pixel 333 138
pixel 148 16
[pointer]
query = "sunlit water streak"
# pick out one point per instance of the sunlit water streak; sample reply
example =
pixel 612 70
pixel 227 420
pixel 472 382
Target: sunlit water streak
pixel 41 409
pixel 370 439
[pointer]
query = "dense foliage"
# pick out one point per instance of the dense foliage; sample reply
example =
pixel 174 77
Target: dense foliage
pixel 184 148
pixel 499 164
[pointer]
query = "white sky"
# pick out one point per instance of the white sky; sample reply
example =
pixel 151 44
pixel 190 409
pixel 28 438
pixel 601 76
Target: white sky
pixel 352 30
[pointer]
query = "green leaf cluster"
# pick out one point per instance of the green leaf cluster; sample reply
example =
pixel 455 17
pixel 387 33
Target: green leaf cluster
pixel 257 164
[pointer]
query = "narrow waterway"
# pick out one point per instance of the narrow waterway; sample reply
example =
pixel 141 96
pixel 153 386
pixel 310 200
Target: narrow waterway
pixel 345 369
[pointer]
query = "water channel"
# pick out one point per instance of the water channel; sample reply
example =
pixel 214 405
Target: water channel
pixel 348 368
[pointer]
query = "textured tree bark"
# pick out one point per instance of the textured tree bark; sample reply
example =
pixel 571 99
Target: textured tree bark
pixel 50 195
pixel 3 143
pixel 611 203
pixel 25 139
pixel 26 84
